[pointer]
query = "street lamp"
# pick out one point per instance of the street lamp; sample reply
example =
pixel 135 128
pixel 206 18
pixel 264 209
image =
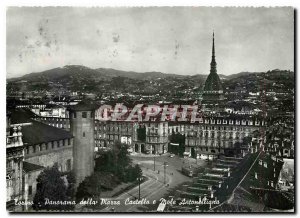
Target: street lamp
pixel 139 179
pixel 165 167
pixel 139 187
pixel 196 148
pixel 196 154
pixel 154 162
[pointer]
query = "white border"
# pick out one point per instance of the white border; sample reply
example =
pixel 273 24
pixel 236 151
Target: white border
pixel 111 3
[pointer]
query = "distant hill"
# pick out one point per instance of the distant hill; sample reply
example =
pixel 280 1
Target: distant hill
pixel 100 80
pixel 232 76
pixel 70 71
pixel 134 75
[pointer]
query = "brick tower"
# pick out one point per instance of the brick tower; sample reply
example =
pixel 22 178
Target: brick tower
pixel 82 124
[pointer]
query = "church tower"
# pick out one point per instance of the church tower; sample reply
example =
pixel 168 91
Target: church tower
pixel 213 90
pixel 82 124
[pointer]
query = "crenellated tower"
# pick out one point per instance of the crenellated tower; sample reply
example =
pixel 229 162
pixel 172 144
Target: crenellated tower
pixel 82 123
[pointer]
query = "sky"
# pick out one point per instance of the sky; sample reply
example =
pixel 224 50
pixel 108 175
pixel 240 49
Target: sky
pixel 165 39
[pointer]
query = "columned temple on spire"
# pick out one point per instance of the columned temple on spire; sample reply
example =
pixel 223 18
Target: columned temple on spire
pixel 213 90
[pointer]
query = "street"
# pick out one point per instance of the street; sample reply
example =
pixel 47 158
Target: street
pixel 154 188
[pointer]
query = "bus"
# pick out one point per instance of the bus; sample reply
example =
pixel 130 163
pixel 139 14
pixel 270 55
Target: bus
pixel 188 171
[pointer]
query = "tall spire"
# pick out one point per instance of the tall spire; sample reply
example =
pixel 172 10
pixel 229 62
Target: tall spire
pixel 213 46
pixel 213 64
pixel 213 90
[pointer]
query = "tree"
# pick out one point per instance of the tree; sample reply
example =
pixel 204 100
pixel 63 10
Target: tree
pixel 89 187
pixel 123 156
pixel 132 173
pixel 105 162
pixel 70 176
pixel 117 162
pixel 178 139
pixel 193 153
pixel 141 134
pixel 51 186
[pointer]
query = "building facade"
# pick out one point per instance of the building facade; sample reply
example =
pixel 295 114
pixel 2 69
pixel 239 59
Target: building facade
pixel 32 146
pixel 14 164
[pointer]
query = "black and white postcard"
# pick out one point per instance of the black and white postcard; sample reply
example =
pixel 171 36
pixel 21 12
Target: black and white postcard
pixel 150 109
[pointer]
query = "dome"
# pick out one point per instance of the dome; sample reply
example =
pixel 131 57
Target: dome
pixel 213 83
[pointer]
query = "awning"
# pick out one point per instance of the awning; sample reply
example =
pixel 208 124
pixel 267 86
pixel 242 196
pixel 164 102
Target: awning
pixel 177 144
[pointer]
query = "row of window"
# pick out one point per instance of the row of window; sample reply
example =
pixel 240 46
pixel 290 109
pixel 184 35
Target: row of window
pixel 156 139
pixel 83 114
pixel 237 122
pixel 114 128
pixel 60 125
pixel 54 119
pixel 211 144
pixel 218 128
pixel 221 137
pixel 47 146
pixel 213 134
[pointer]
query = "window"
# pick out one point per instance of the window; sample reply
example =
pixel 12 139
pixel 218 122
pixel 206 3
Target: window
pixel 84 114
pixel 30 190
pixel 74 114
pixel 9 164
pixel 68 165
pixel 83 134
pixel 69 141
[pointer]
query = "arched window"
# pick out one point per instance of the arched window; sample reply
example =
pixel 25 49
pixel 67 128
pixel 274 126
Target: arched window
pixel 8 177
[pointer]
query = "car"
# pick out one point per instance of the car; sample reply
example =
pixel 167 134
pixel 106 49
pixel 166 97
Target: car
pixel 172 155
